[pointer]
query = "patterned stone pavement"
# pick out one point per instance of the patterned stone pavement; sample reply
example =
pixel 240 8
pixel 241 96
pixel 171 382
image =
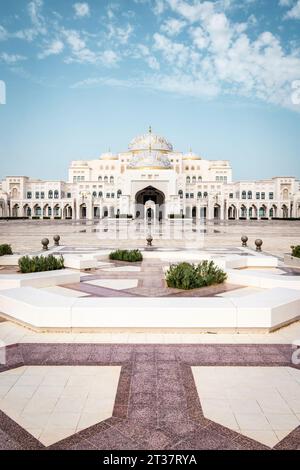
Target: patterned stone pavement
pixel 157 405
pixel 150 280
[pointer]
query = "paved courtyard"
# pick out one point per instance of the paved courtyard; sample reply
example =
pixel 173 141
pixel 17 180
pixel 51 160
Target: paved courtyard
pixel 149 389
pixel 278 236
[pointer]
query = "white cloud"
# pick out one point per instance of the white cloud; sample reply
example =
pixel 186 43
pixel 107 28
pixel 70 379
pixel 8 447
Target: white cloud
pixel 172 26
pixel 109 58
pixel 200 37
pixel 11 59
pixel 174 53
pixel 294 13
pixel 143 51
pixel 159 7
pixel 54 48
pixel 74 39
pixel 191 12
pixel 120 34
pixel 285 3
pixel 3 33
pixel 37 19
pixel 81 9
pixel 113 82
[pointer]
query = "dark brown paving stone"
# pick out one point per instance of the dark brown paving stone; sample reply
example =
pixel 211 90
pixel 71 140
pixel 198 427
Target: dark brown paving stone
pixel 204 439
pixel 292 441
pixel 111 439
pixel 15 435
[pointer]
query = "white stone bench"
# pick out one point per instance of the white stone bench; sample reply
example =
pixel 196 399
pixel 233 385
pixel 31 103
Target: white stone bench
pixel 9 260
pixel 37 308
pixel 268 309
pixel 43 279
pixel 262 280
pixel 265 310
pixel 80 262
pixel 136 312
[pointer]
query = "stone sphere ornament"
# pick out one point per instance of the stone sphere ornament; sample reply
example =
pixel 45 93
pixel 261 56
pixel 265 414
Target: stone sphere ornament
pixel 244 239
pixel 45 243
pixel 149 240
pixel 258 244
pixel 56 239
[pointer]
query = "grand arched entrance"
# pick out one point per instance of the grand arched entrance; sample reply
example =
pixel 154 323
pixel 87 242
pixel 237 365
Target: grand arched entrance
pixel 149 203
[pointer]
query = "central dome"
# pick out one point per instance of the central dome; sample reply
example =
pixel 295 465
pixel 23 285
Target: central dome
pixel 150 141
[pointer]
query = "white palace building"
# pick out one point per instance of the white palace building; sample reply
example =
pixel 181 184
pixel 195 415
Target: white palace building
pixel 150 179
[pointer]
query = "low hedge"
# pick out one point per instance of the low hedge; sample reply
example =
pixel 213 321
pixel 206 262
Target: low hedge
pixel 191 276
pixel 5 249
pixel 296 251
pixel 41 263
pixel 126 255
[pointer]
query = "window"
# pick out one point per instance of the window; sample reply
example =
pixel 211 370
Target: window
pixel 187 195
pixel 249 194
pixel 94 194
pixel 180 194
pixel 119 193
pixel 29 195
pixel 199 178
pixel 271 195
pixel 199 195
pixel 56 194
pixel 225 179
pixel 191 195
pixel 99 178
pixel 105 179
pixel 50 194
pixel 217 178
pixel 194 179
pixel 112 195
pixel 108 195
pixel 263 195
pixel 257 195
pixel 188 180
pixel 244 195
pixel 111 180
pixel 42 195
pixel 100 194
pixel 205 194
pixel 37 195
pixel 69 195
pixel 230 195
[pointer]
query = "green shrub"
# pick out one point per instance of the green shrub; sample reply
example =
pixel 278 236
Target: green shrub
pixel 5 249
pixel 36 264
pixel 190 276
pixel 126 255
pixel 296 251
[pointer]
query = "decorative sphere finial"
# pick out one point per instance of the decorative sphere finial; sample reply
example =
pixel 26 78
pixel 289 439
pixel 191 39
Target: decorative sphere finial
pixel 150 130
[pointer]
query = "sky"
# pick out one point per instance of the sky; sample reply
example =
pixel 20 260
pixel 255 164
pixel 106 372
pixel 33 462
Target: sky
pixel 219 77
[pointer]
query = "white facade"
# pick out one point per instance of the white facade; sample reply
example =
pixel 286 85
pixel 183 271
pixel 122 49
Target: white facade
pixel 150 179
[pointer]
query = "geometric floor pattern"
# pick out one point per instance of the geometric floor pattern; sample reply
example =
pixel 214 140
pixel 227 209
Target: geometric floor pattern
pixel 262 403
pixel 156 405
pixel 54 402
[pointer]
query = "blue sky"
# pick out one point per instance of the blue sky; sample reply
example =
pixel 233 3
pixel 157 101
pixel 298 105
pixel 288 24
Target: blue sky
pixel 221 77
